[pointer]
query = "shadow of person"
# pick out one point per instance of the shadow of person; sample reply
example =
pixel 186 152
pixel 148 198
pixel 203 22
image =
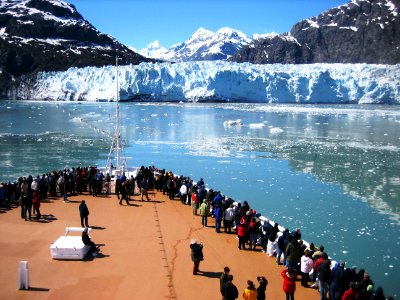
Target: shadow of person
pixel 37 289
pixel 210 274
pixel 97 227
pixel 45 219
pixel 73 201
pixel 91 257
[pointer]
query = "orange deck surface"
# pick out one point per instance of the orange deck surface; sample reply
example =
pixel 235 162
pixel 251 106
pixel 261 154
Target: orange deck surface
pixel 145 254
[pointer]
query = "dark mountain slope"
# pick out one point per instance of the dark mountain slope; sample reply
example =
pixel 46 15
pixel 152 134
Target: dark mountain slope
pixel 50 35
pixel 362 31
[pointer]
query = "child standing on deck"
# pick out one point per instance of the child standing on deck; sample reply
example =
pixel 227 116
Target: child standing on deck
pixel 289 283
pixel 250 293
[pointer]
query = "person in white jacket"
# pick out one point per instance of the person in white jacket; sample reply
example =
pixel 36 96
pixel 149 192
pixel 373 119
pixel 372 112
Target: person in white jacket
pixel 306 265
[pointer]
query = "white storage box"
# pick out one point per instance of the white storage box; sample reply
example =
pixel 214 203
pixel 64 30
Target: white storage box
pixel 69 246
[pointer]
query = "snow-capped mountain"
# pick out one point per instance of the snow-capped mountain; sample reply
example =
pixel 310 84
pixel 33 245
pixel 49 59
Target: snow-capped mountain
pixel 154 50
pixel 37 35
pixel 223 81
pixel 362 31
pixel 202 45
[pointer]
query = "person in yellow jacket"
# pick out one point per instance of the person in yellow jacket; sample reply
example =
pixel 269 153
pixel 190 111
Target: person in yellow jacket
pixel 250 293
pixel 204 212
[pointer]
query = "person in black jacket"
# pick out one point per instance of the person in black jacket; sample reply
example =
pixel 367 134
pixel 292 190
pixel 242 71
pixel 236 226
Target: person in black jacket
pixel 88 242
pixel 230 291
pixel 263 282
pixel 223 279
pixel 273 233
pixel 84 213
pixel 324 276
pixel 338 281
pixel 281 249
pixel 196 254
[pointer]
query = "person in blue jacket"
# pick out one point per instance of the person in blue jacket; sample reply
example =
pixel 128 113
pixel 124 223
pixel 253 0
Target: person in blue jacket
pixel 217 205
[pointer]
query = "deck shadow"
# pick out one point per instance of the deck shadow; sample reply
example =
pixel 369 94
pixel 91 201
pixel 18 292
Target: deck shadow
pixel 210 274
pixel 45 219
pixel 97 227
pixel 91 257
pixel 131 204
pixel 148 201
pixel 37 289
pixel 73 201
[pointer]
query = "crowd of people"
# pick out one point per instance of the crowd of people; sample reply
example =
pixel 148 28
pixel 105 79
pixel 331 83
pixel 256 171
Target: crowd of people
pixel 229 290
pixel 29 191
pixel 300 260
pixel 254 232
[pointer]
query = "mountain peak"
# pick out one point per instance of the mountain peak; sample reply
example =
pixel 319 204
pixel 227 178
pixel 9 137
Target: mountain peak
pixel 154 49
pixel 202 32
pixel 204 44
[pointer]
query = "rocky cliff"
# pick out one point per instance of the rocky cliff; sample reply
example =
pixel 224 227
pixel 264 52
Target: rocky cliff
pixel 362 31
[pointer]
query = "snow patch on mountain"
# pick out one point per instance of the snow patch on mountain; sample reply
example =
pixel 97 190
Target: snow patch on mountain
pixel 258 36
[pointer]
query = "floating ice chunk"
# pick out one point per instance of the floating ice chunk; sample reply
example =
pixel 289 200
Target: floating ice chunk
pixel 275 130
pixel 224 161
pixel 256 125
pixel 76 119
pixel 238 122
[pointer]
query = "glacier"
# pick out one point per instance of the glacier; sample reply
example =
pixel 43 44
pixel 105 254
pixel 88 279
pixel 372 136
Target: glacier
pixel 222 81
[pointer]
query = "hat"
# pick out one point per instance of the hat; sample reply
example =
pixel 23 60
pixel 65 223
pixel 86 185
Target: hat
pixel 193 241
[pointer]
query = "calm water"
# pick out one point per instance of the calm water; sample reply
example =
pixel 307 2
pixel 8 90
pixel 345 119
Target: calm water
pixel 333 171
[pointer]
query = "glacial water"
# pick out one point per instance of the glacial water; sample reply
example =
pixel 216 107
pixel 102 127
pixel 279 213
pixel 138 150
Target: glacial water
pixel 333 171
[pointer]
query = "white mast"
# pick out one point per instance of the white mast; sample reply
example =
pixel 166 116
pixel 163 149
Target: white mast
pixel 116 145
pixel 118 124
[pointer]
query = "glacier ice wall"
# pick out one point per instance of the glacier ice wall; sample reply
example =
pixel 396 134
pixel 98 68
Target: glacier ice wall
pixel 224 81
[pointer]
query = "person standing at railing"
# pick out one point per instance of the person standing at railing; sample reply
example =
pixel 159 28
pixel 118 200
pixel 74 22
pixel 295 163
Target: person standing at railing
pixel 204 212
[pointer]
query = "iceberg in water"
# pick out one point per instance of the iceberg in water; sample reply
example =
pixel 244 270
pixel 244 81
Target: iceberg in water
pixel 223 81
pixel 237 122
pixel 275 130
pixel 256 125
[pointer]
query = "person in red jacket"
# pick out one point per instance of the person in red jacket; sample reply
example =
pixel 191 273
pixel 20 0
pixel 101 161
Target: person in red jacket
pixel 351 293
pixel 36 205
pixel 242 231
pixel 289 283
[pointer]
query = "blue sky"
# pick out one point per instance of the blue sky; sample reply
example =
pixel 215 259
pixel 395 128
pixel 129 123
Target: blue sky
pixel 137 23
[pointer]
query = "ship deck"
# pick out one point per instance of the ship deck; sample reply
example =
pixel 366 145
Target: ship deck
pixel 144 253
